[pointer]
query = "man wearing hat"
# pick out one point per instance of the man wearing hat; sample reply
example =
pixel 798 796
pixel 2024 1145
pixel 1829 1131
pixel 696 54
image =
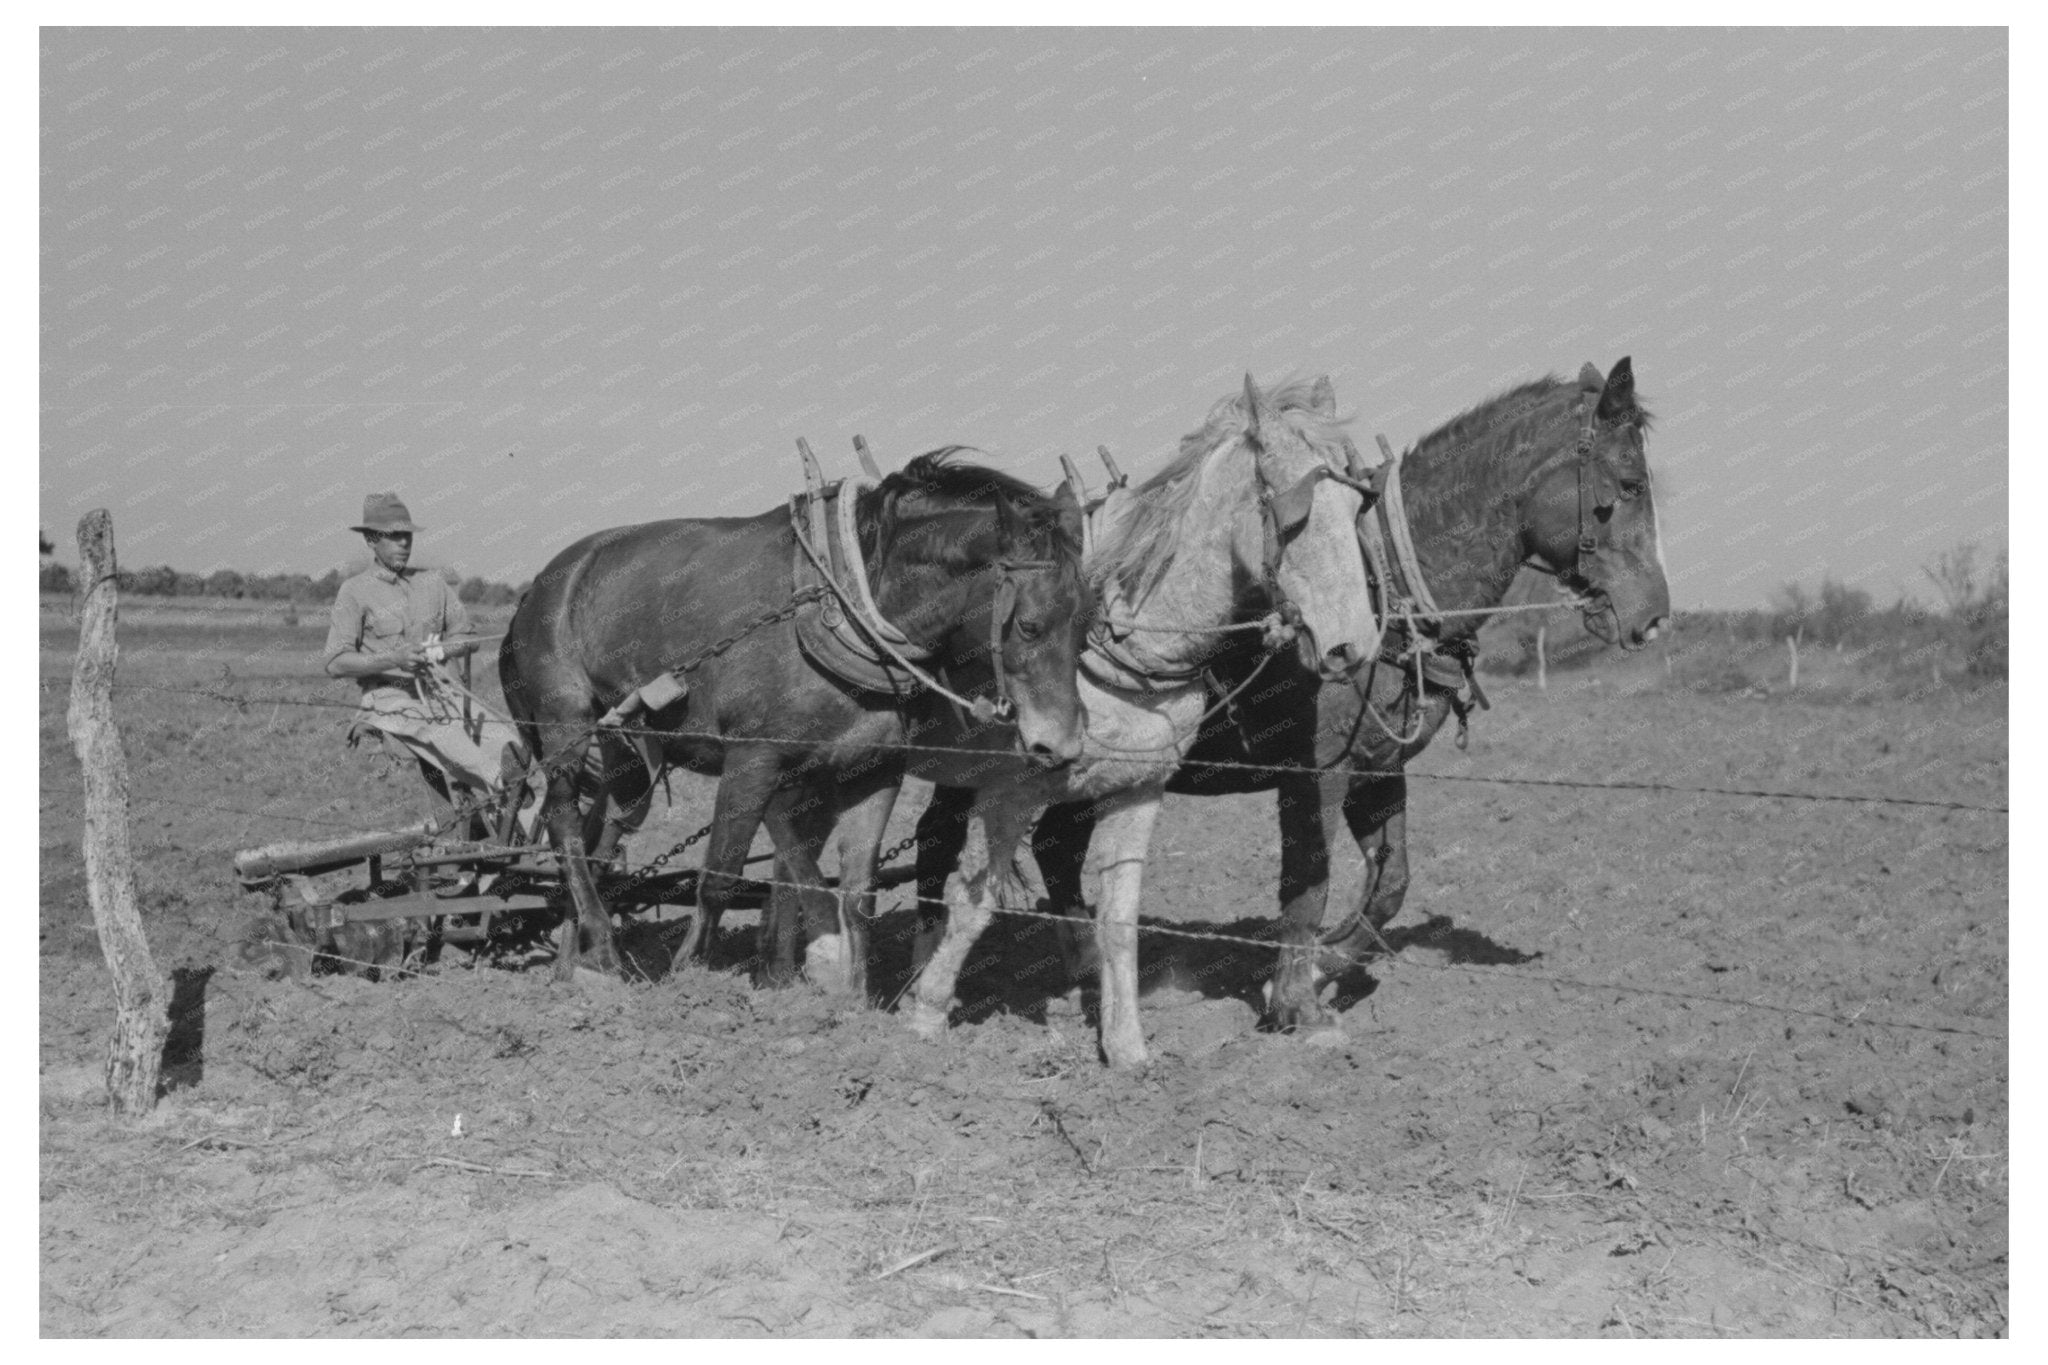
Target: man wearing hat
pixel 387 633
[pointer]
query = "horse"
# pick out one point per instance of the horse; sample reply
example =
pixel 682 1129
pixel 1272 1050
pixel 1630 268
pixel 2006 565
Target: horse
pixel 970 565
pixel 1495 488
pixel 1248 528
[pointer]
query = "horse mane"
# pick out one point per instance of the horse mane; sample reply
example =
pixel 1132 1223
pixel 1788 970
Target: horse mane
pixel 1497 425
pixel 1142 548
pixel 945 484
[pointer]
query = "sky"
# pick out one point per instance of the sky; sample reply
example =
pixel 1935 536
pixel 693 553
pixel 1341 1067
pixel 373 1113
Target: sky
pixel 542 282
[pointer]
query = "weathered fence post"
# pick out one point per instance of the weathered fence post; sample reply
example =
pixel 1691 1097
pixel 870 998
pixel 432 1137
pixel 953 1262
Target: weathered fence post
pixel 1542 662
pixel 1792 648
pixel 141 996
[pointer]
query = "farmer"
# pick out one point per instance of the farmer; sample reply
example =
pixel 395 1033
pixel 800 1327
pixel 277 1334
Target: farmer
pixel 392 627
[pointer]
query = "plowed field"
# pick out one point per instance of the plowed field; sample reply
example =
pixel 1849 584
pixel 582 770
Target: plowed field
pixel 1638 1069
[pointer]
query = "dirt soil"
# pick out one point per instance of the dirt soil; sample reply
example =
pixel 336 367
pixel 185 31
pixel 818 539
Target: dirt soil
pixel 1639 1068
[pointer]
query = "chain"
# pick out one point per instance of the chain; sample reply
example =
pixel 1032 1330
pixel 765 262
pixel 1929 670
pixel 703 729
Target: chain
pixel 786 612
pixel 895 850
pixel 647 873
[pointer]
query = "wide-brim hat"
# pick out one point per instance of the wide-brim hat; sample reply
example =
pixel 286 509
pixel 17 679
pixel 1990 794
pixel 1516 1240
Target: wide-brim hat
pixel 384 512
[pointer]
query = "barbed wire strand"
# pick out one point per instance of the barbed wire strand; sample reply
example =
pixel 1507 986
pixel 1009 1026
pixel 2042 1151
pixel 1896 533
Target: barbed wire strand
pixel 1166 752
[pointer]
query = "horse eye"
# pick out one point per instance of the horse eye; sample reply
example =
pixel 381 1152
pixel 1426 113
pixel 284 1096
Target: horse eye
pixel 1030 630
pixel 1631 488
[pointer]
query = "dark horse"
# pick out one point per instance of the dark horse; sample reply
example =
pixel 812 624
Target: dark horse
pixel 953 551
pixel 1487 492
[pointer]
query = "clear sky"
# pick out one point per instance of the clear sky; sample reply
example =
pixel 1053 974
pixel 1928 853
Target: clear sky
pixel 546 281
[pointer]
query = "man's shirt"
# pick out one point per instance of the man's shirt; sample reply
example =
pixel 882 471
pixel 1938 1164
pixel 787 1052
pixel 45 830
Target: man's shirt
pixel 378 611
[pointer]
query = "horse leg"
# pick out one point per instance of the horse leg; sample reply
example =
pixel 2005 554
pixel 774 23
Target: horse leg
pixel 744 790
pixel 941 835
pixel 799 821
pixel 1308 811
pixel 625 794
pixel 1376 809
pixel 1060 844
pixel 971 903
pixel 861 825
pixel 565 830
pixel 1123 834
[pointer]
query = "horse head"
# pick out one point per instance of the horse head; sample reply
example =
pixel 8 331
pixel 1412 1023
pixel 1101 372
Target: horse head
pixel 1301 535
pixel 1591 520
pixel 988 570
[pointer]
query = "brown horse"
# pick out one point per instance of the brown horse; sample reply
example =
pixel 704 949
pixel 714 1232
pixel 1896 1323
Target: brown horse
pixel 957 556
pixel 1487 492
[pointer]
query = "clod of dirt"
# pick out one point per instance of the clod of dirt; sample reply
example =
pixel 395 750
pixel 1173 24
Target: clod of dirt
pixel 74 1085
pixel 959 1321
pixel 598 984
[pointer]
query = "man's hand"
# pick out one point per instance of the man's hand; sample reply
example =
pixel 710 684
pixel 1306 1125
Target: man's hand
pixel 411 656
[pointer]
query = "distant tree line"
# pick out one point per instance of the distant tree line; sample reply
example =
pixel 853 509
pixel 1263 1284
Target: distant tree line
pixel 1969 624
pixel 165 581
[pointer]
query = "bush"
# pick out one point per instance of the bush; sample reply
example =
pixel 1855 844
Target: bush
pixel 1838 615
pixel 1986 622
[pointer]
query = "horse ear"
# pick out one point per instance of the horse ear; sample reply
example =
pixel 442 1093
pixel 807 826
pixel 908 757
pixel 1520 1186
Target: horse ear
pixel 1618 398
pixel 1251 405
pixel 1068 504
pixel 1322 396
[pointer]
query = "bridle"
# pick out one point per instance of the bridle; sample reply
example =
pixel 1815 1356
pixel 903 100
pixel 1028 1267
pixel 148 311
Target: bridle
pixel 1002 707
pixel 1590 385
pixel 1282 515
pixel 1590 541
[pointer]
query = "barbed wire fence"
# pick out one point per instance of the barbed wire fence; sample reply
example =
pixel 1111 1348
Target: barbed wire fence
pixel 229 695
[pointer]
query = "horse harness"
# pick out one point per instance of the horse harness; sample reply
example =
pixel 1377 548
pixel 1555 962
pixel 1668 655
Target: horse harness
pixel 848 636
pixel 1414 638
pixel 1282 514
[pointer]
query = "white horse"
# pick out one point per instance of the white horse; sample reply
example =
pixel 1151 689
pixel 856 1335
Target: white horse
pixel 1251 525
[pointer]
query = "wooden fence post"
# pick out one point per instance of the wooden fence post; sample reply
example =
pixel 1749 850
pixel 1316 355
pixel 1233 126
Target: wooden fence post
pixel 1792 648
pixel 141 995
pixel 1542 661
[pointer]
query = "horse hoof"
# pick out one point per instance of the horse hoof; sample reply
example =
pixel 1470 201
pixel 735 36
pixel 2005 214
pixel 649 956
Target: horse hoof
pixel 1307 1020
pixel 926 1021
pixel 827 966
pixel 1126 1058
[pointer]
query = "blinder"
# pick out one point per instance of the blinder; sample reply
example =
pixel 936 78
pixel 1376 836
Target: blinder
pixel 1283 514
pixel 1291 508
